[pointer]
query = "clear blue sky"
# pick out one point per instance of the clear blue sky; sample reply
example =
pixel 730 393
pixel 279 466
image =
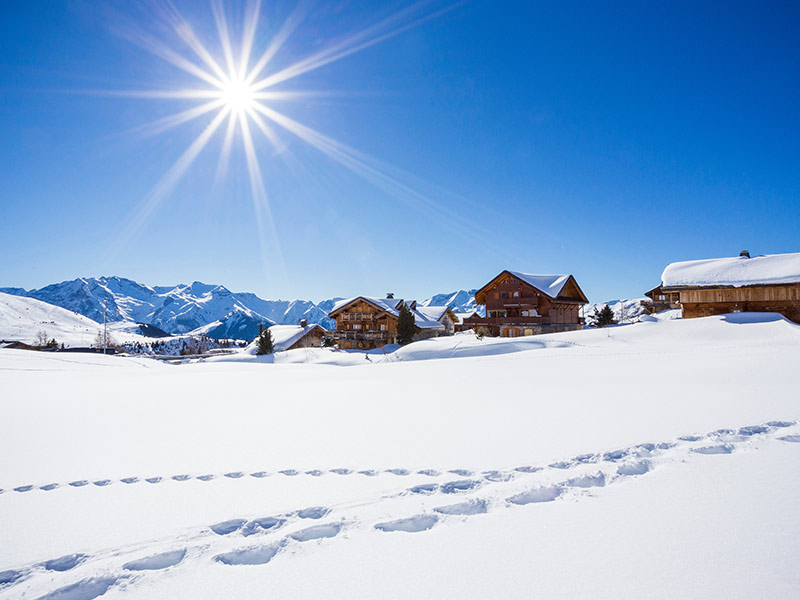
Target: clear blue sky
pixel 599 139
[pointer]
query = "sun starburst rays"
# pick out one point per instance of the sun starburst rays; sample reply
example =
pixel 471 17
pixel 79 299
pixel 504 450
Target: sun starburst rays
pixel 239 91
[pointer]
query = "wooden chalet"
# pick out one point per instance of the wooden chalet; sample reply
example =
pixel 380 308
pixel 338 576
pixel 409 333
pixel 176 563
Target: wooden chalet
pixel 365 323
pixel 523 304
pixel 767 283
pixel 291 337
pixel 661 299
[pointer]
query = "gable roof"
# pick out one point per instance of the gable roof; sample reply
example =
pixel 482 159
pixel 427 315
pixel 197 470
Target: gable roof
pixel 549 285
pixel 286 336
pixel 735 271
pixel 392 307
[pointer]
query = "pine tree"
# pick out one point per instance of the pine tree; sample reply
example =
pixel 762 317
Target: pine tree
pixel 265 341
pixel 406 329
pixel 601 318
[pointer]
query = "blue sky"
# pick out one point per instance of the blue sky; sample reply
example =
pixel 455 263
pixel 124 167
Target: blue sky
pixel 602 140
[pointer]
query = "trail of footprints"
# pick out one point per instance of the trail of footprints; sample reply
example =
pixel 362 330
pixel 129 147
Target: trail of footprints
pixel 574 476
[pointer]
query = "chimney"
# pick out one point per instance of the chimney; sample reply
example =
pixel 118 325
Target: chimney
pixel 390 295
pixel 744 254
pixel 303 323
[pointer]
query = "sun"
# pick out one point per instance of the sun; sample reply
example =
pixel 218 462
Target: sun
pixel 237 95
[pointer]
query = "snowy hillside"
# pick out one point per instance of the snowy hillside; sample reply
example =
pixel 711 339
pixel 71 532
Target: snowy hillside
pixel 674 477
pixel 21 319
pixel 625 311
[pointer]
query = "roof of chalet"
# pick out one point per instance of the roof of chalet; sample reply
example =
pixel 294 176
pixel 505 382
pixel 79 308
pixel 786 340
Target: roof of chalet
pixel 550 285
pixel 433 312
pixel 392 307
pixel 285 336
pixel 735 271
pixel 460 316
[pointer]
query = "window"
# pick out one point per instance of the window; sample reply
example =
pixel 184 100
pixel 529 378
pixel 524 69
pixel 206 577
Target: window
pixel 356 326
pixel 516 294
pixel 503 295
pixel 512 333
pixel 524 313
pixel 662 297
pixel 383 326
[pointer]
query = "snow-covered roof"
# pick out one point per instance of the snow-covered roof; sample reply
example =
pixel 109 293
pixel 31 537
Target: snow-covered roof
pixel 432 312
pixel 460 316
pixel 549 284
pixel 285 336
pixel 734 271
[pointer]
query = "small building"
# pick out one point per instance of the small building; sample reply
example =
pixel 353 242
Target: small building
pixel 523 304
pixel 661 299
pixel 291 337
pixel 365 322
pixel 462 316
pixel 767 283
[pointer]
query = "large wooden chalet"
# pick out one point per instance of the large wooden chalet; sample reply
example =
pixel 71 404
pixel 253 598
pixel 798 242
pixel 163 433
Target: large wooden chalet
pixel 365 322
pixel 768 283
pixel 522 304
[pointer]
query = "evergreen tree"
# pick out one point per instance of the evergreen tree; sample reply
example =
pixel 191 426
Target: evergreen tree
pixel 406 329
pixel 601 318
pixel 265 341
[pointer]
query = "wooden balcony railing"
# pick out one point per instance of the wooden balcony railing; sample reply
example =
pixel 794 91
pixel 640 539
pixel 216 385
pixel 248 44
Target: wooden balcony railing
pixel 357 335
pixel 358 316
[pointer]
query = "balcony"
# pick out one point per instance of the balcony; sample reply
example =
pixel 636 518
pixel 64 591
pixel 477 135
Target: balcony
pixel 358 316
pixel 358 335
pixel 508 321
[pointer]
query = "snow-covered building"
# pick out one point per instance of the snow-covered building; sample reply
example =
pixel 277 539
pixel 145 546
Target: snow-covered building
pixel 524 304
pixel 290 337
pixel 767 283
pixel 364 322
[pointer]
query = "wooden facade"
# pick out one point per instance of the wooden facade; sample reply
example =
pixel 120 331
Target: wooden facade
pixel 661 299
pixel 515 307
pixel 366 323
pixel 708 301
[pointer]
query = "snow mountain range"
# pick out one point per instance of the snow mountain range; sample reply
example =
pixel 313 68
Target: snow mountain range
pixel 198 308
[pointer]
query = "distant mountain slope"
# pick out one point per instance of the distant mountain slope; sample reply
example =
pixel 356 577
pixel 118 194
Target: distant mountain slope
pixel 21 319
pixel 460 301
pixel 176 309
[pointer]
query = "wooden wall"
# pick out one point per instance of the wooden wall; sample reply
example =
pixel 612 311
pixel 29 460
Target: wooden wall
pixel 704 302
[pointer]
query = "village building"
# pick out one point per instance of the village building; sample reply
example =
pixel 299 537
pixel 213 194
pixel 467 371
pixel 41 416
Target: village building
pixel 462 316
pixel 523 304
pixel 365 322
pixel 291 337
pixel 767 283
pixel 661 299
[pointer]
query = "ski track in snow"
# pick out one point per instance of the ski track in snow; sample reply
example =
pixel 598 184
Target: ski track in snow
pixel 258 541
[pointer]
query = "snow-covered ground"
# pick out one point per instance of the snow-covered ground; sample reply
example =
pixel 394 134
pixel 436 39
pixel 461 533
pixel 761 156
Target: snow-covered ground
pixel 654 460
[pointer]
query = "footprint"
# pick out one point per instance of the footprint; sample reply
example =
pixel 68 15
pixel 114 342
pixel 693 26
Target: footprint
pixel 86 589
pixel 665 445
pixel 718 449
pixel 410 524
pixel 316 532
pixel 587 481
pixel 690 438
pixel 49 487
pixel 234 474
pixel 540 494
pixel 182 477
pixel 289 472
pixel 65 563
pixel 470 507
pixel 314 512
pixel 753 430
pixel 153 479
pixel 461 472
pixel 226 527
pixel 156 562
pixel 260 525
pixel 586 458
pixel 369 472
pixel 259 474
pixel 257 555
pixel 528 469
pixel 341 471
pixel 314 473
pixel 429 472
pixel 462 485
pixel 208 477
pixel 790 438
pixel 425 488
pixel 102 482
pixel 9 576
pixel 615 455
pixel 398 471
pixel 497 476
pixel 79 483
pixel 130 480
pixel 639 467
pixel 780 423
pixel 562 464
pixel 23 488
pixel 647 446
